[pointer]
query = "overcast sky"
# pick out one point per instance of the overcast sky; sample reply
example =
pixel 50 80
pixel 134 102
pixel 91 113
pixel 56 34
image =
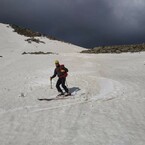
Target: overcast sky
pixel 87 23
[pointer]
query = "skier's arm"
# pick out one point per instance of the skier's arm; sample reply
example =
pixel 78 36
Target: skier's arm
pixel 54 75
pixel 66 70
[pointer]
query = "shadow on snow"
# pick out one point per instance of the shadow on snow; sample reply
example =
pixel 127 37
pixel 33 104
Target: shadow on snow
pixel 71 90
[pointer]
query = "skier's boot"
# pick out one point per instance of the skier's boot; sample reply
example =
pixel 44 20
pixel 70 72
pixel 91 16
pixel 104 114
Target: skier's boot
pixel 61 94
pixel 68 94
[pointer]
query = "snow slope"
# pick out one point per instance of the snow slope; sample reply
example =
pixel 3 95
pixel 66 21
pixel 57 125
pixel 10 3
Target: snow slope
pixel 107 106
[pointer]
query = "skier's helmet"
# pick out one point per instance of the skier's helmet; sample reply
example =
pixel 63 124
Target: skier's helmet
pixel 56 62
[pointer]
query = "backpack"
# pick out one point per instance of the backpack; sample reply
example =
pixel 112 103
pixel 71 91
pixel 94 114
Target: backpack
pixel 62 74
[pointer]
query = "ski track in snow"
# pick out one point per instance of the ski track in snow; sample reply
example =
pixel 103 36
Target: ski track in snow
pixel 106 87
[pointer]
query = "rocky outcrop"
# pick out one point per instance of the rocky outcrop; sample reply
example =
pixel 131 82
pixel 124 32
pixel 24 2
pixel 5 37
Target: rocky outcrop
pixel 117 49
pixel 30 40
pixel 29 33
pixel 37 53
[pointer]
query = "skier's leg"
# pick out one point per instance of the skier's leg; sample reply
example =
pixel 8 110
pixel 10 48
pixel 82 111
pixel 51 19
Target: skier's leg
pixel 63 85
pixel 58 85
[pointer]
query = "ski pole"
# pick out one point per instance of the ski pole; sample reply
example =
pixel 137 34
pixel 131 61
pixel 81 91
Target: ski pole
pixel 51 84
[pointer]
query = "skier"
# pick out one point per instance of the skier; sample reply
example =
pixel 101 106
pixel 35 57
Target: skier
pixel 61 72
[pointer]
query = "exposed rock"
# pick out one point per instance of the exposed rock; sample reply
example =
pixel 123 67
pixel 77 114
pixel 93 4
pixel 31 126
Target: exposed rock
pixel 116 49
pixel 34 40
pixel 29 33
pixel 37 53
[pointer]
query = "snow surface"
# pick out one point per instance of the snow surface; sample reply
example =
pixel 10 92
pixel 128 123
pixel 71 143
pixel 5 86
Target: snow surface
pixel 107 106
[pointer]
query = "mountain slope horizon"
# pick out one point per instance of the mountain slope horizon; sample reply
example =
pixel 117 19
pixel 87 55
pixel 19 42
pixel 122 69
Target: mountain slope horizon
pixel 30 33
pixel 107 102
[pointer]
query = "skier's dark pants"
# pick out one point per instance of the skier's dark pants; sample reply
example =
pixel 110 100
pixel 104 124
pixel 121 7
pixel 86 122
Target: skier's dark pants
pixel 61 81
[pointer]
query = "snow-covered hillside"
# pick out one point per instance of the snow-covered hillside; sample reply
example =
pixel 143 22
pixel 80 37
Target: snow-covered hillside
pixel 107 106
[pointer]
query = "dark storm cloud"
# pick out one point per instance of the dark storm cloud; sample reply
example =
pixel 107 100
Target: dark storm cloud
pixel 87 23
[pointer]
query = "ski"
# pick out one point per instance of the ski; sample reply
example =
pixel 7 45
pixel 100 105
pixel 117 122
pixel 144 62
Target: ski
pixel 58 97
pixel 63 95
